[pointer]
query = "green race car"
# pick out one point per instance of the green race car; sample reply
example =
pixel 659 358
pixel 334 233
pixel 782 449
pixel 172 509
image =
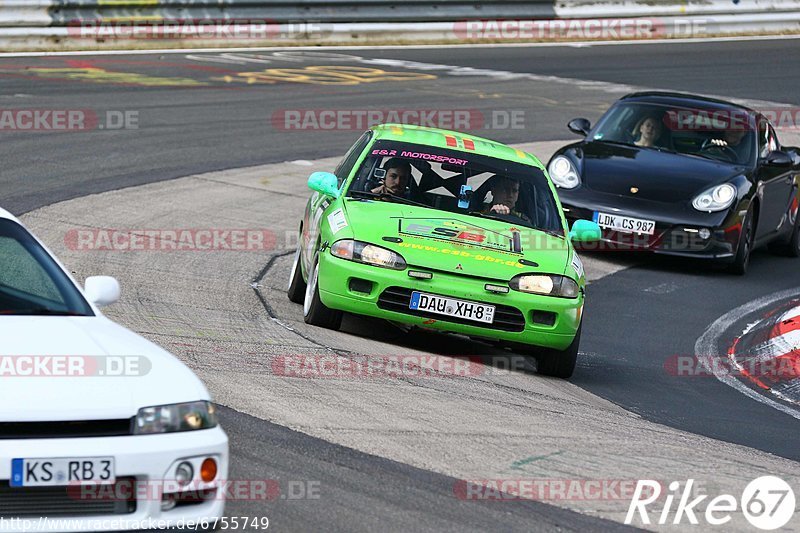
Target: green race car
pixel 441 230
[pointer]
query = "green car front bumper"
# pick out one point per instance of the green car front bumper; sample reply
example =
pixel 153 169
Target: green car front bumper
pixel 525 318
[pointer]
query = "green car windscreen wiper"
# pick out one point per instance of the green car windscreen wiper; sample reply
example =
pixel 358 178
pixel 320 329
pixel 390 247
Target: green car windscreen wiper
pixel 384 196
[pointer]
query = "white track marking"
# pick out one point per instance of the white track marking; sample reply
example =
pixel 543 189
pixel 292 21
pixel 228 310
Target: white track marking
pixel 777 346
pixel 706 347
pixel 402 47
pixel 791 314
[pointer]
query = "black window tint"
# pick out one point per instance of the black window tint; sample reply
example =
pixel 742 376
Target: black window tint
pixel 350 158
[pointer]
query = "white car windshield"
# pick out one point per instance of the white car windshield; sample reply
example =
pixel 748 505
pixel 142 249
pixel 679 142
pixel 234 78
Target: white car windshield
pixel 31 283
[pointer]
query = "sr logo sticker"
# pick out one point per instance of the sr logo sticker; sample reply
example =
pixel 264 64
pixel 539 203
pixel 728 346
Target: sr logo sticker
pixel 454 231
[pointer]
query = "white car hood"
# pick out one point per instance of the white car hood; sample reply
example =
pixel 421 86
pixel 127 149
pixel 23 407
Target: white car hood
pixel 52 398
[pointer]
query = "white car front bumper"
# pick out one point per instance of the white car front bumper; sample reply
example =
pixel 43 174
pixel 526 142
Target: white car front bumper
pixel 150 459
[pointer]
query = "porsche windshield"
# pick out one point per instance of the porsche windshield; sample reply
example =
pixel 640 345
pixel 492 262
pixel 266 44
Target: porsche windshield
pixel 725 134
pixel 458 182
pixel 31 283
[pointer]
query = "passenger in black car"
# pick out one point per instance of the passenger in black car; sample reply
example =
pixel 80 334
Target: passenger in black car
pixel 647 131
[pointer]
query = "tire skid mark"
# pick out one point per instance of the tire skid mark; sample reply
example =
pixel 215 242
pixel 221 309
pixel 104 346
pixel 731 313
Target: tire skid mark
pixel 255 284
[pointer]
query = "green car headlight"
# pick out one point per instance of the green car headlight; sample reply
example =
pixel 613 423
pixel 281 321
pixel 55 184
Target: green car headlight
pixel 545 284
pixel 174 418
pixel 369 254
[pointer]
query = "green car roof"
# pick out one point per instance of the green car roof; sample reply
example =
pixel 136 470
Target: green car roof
pixel 437 137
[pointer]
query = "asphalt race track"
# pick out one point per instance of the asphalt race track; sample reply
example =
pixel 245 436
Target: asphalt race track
pixel 198 113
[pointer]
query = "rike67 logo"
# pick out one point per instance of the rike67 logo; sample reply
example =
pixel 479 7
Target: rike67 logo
pixel 767 502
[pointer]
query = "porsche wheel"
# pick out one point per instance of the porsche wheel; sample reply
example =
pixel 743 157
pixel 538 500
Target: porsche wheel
pixel 742 260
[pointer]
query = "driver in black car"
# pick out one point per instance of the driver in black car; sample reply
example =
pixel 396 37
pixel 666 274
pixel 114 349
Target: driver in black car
pixel 732 140
pixel 505 193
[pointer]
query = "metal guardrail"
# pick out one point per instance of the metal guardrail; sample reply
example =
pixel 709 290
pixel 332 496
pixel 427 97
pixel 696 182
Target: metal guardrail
pixel 57 23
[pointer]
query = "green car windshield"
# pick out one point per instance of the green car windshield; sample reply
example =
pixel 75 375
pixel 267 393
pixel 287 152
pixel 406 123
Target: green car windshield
pixel 458 182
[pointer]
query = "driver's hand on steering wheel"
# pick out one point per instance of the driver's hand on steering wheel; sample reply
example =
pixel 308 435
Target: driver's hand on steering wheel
pixel 718 142
pixel 500 209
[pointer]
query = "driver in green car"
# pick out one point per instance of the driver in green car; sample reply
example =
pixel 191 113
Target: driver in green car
pixel 505 193
pixel 398 174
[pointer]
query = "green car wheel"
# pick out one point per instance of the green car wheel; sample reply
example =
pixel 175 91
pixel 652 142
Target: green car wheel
pixel 559 363
pixel 314 311
pixel 297 286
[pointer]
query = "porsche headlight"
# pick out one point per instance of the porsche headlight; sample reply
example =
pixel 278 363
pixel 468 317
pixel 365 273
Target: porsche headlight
pixel 716 198
pixel 563 173
pixel 175 417
pixel 370 254
pixel 546 284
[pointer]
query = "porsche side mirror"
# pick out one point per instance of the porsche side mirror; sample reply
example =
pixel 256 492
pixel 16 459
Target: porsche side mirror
pixel 585 231
pixel 102 290
pixel 325 183
pixel 580 126
pixel 794 153
pixel 778 158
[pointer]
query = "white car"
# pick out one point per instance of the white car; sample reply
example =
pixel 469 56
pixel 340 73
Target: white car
pixel 100 429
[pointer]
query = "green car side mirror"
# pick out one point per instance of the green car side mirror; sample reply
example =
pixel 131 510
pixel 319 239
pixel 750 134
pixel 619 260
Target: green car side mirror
pixel 325 183
pixel 585 231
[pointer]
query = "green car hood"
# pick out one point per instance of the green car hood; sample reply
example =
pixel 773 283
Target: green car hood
pixel 429 238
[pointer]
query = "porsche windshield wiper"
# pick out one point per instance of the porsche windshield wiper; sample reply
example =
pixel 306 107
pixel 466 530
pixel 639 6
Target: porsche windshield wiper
pixel 634 145
pixel 617 143
pixel 385 196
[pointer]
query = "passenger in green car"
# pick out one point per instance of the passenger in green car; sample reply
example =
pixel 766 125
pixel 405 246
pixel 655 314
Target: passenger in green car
pixel 505 193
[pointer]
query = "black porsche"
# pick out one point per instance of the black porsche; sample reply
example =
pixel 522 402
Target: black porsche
pixel 683 175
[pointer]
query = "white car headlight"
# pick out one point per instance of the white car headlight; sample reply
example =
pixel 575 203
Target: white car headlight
pixel 716 198
pixel 176 417
pixel 546 284
pixel 370 254
pixel 563 173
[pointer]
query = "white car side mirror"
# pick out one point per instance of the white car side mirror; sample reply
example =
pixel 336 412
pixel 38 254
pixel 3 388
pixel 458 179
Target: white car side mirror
pixel 102 290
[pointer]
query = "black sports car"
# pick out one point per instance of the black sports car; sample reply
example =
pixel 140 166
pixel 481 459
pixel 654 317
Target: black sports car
pixel 682 175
